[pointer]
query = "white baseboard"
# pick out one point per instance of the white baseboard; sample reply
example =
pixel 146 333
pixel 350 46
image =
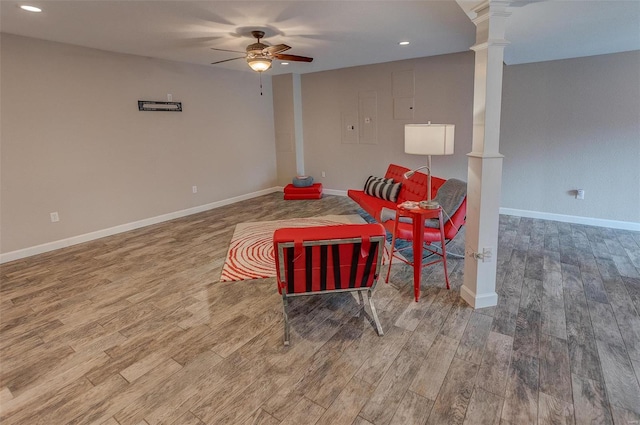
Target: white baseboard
pixel 335 192
pixel 63 243
pixel 612 224
pixel 600 222
pixel 74 240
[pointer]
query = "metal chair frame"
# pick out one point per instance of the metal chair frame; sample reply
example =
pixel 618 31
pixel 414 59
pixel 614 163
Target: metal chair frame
pixel 380 240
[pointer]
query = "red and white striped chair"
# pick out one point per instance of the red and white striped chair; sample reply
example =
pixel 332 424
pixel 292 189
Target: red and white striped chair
pixel 328 259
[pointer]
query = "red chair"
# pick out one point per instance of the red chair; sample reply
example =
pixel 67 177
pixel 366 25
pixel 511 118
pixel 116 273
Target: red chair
pixel 328 259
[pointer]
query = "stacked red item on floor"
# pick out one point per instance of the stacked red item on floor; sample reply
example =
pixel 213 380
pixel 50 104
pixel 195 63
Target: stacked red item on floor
pixel 310 192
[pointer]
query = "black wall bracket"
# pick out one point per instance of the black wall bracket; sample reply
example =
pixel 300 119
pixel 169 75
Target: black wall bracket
pixel 150 105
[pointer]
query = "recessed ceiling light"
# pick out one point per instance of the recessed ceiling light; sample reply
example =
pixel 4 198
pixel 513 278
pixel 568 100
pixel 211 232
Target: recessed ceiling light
pixel 403 43
pixel 30 8
pixel 284 63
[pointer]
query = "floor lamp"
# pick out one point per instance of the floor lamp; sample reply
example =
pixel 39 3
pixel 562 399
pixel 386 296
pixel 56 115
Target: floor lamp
pixel 428 139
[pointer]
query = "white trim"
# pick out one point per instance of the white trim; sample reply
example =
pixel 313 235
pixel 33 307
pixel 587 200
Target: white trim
pixel 600 222
pixel 478 301
pixel 74 240
pixel 335 192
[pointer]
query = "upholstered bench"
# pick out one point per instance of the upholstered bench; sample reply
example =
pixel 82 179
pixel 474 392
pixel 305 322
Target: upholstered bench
pixel 310 192
pixel 328 259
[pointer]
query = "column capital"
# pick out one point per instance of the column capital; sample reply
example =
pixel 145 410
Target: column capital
pixel 490 8
pixel 491 23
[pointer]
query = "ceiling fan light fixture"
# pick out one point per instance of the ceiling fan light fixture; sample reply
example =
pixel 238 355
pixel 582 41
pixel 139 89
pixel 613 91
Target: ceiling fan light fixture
pixel 259 56
pixel 259 64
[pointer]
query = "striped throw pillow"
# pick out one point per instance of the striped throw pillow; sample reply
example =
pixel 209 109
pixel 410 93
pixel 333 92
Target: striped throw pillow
pixel 382 188
pixel 372 179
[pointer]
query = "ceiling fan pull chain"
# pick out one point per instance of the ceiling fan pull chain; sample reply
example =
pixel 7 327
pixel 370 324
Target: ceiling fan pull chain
pixel 260 73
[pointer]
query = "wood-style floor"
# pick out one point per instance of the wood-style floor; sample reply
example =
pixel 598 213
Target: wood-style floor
pixel 136 329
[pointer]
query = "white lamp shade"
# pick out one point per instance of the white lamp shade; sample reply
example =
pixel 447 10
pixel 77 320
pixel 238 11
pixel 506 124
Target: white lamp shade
pixel 429 139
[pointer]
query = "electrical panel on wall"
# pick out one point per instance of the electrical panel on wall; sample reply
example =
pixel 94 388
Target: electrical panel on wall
pixel 368 117
pixel 403 83
pixel 349 128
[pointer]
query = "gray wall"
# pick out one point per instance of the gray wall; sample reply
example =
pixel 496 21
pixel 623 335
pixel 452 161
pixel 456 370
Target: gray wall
pixel 443 94
pixel 566 125
pixel 573 124
pixel 73 141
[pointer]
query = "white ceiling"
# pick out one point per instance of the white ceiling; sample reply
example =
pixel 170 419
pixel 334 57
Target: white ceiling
pixel 337 34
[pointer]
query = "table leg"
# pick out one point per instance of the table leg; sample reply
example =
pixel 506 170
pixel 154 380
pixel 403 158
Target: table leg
pixel 418 238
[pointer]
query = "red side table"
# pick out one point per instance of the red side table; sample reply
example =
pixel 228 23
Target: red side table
pixel 418 216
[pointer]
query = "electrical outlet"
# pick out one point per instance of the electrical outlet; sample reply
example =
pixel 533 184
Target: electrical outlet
pixel 194 189
pixel 54 217
pixel 579 193
pixel 324 174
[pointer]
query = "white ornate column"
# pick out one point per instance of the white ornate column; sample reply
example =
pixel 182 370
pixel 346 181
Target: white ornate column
pixel 485 162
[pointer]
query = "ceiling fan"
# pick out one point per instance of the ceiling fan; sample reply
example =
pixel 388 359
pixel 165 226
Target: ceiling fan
pixel 260 55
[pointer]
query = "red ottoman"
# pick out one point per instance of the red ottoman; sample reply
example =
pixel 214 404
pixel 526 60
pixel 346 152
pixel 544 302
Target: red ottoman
pixel 310 192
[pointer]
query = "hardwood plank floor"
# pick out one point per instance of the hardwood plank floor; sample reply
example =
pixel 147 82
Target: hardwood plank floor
pixel 137 329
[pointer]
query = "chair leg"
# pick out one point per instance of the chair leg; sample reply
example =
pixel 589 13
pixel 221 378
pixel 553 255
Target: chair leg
pixel 374 313
pixel 285 304
pixel 444 259
pixel 393 244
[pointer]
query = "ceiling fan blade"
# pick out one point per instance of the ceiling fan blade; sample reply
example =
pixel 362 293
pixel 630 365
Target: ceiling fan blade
pixel 227 60
pixel 293 58
pixel 225 50
pixel 276 49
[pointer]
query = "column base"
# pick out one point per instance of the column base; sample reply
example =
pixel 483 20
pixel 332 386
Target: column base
pixel 476 301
